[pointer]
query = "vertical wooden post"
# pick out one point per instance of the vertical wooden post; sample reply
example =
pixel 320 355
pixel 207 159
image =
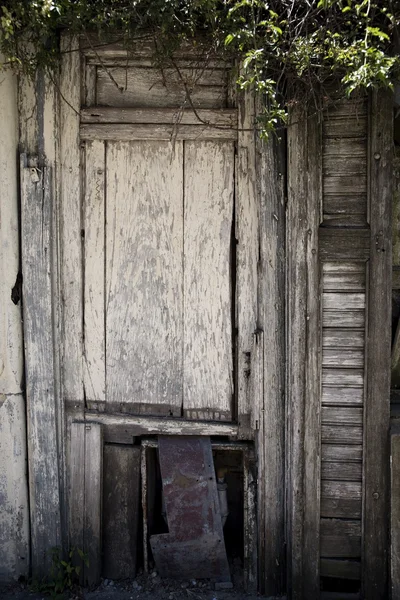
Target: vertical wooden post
pixel 271 308
pixel 303 347
pixel 395 513
pixel 93 501
pixel 36 210
pixel 376 414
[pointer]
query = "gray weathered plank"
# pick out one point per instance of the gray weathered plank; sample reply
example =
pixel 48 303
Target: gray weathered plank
pixel 341 471
pixel 339 357
pixel 341 395
pixel 304 169
pixel 92 533
pixel 70 221
pixel 343 301
pixel 340 538
pixel 341 434
pixel 247 250
pixel 121 493
pixel 345 126
pixel 36 235
pixel 342 377
pixel 76 499
pixel 375 538
pixel 343 338
pixel 271 437
pixel 227 117
pixel 345 453
pixel 144 241
pixel 351 319
pixel 130 132
pixel 340 569
pixel 344 244
pixel 345 165
pixel 341 499
pixel 148 87
pixel 94 277
pixel 341 415
pixel 208 221
pixel 137 425
pixel 345 185
pixel 345 281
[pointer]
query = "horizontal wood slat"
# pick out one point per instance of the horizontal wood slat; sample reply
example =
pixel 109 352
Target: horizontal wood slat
pixel 344 244
pixel 343 338
pixel 340 538
pixel 344 126
pixel 351 319
pixel 170 116
pixel 341 471
pixel 345 453
pixel 340 569
pixel 334 415
pixel 127 132
pixel 346 377
pixel 339 434
pixel 341 395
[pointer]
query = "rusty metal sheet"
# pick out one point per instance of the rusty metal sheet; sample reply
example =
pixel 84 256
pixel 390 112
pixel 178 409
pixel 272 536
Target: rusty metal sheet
pixel 194 546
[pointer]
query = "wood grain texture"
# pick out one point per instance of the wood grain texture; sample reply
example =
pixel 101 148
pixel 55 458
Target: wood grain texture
pixel 121 494
pixel 94 275
pixel 345 377
pixel 341 395
pixel 340 569
pixel 137 425
pixel 36 235
pixel 70 221
pixel 350 319
pixel 144 300
pixel 343 338
pixel 208 221
pixel 344 244
pixel 247 248
pixel 140 87
pixel 339 357
pixel 271 310
pixel 341 471
pixel 341 415
pixel 304 209
pixel 76 499
pixel 172 116
pixel 340 538
pixel 341 453
pixel 92 533
pixel 341 434
pixel 139 131
pixel 376 476
pixel 341 499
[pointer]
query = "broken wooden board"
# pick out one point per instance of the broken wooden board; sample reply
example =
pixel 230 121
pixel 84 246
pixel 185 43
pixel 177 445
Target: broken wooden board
pixel 194 546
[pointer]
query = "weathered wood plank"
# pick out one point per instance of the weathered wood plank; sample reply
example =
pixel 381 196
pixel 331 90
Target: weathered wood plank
pixel 339 357
pixel 136 425
pixel 94 276
pixel 341 471
pixel 76 500
pixel 247 250
pixel 336 453
pixel 304 198
pixel 341 499
pixel 93 466
pixel 344 281
pixel 395 513
pixel 340 538
pixel 343 338
pixel 338 434
pixel 341 569
pixel 342 219
pixel 70 221
pixel 345 185
pixel 343 318
pixel 271 310
pixel 121 493
pixel 343 147
pixel 342 377
pixel 353 204
pixel 345 165
pixel 341 415
pixel 144 241
pixel 36 235
pixel 155 116
pixel 89 91
pixel 139 87
pixel 208 222
pixel 130 132
pixel 340 395
pixel 344 244
pixel 345 126
pixel 343 301
pixel 376 457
